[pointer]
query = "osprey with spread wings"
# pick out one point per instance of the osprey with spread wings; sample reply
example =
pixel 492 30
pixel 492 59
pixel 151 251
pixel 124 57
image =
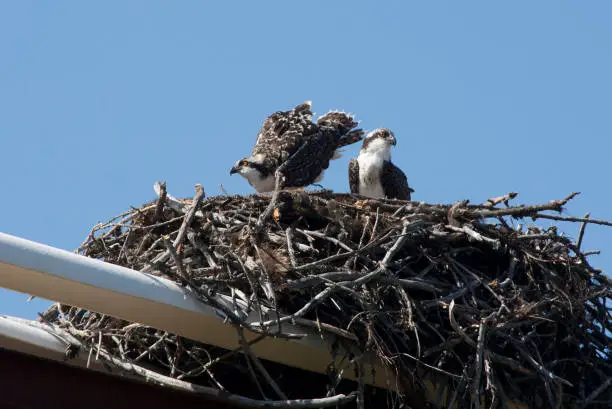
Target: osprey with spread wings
pixel 307 146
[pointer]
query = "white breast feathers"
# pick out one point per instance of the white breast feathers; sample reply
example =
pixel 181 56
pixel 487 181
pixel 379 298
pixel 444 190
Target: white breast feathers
pixel 371 161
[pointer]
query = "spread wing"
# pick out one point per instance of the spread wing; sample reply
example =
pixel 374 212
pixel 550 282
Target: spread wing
pixel 311 159
pixel 285 131
pixel 353 174
pixel 394 182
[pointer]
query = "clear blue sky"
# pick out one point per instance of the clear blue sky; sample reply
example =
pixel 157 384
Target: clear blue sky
pixel 98 101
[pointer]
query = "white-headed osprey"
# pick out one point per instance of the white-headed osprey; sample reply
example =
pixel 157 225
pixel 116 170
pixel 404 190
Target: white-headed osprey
pixel 373 174
pixel 307 146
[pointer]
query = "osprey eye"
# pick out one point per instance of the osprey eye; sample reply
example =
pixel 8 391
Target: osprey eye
pixel 244 163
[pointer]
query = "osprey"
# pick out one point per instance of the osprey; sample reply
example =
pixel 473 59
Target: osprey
pixel 373 174
pixel 307 146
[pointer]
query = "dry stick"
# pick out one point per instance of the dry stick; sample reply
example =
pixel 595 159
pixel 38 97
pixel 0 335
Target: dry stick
pixel 290 250
pixel 208 300
pixel 99 344
pixel 90 237
pixel 475 235
pixel 511 363
pixel 539 367
pixel 597 392
pixel 417 285
pixel 259 365
pixel 187 220
pixel 172 360
pixel 433 368
pixel 494 201
pixel 325 237
pixel 118 342
pixel 478 278
pixel 263 218
pixel 411 322
pixel 364 229
pixel 324 327
pixel 518 211
pixel 455 325
pixel 490 381
pixel 479 362
pixel 223 189
pixel 572 219
pixel 375 224
pixel 396 247
pixel 278 239
pixel 161 201
pixel 337 276
pixel 235 351
pixel 151 348
pixel 581 232
pixel 270 288
pixel 343 255
pixel 123 250
pixel 249 357
pixel 247 274
pixel 181 234
pixel 323 295
pixel 150 250
pixel 155 378
pixel 177 260
pixel 199 244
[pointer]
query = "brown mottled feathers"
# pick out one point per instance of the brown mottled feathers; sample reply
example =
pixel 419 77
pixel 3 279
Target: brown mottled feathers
pixel 353 173
pixel 292 134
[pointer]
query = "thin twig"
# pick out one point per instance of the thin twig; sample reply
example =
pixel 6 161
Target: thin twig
pixel 247 349
pixel 479 362
pixel 290 250
pixel 520 211
pixel 572 219
pixel 600 389
pixel 581 232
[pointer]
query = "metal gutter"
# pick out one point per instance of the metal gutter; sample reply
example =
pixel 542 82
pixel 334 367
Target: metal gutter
pixel 72 279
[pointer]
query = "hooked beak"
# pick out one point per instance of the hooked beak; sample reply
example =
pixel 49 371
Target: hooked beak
pixel 233 170
pixel 393 140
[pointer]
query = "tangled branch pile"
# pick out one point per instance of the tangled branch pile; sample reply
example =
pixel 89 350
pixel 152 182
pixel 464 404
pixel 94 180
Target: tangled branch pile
pixel 459 294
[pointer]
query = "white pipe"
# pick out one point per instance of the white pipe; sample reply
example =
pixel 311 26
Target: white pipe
pixel 72 279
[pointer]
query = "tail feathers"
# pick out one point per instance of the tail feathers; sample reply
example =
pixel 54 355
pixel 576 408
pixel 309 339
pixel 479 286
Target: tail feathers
pixel 339 120
pixel 351 137
pixel 343 123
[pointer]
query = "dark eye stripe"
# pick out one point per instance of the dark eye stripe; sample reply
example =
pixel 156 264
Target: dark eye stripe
pixel 261 168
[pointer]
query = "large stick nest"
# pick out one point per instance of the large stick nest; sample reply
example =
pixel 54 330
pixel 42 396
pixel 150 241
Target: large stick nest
pixel 459 294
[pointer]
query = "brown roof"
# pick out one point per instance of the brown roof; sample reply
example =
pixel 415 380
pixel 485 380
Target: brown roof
pixel 30 382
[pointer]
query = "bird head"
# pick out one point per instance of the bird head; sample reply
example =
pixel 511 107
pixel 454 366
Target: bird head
pixel 378 143
pixel 380 139
pixel 249 167
pixel 253 169
pixel 241 167
pixel 380 135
